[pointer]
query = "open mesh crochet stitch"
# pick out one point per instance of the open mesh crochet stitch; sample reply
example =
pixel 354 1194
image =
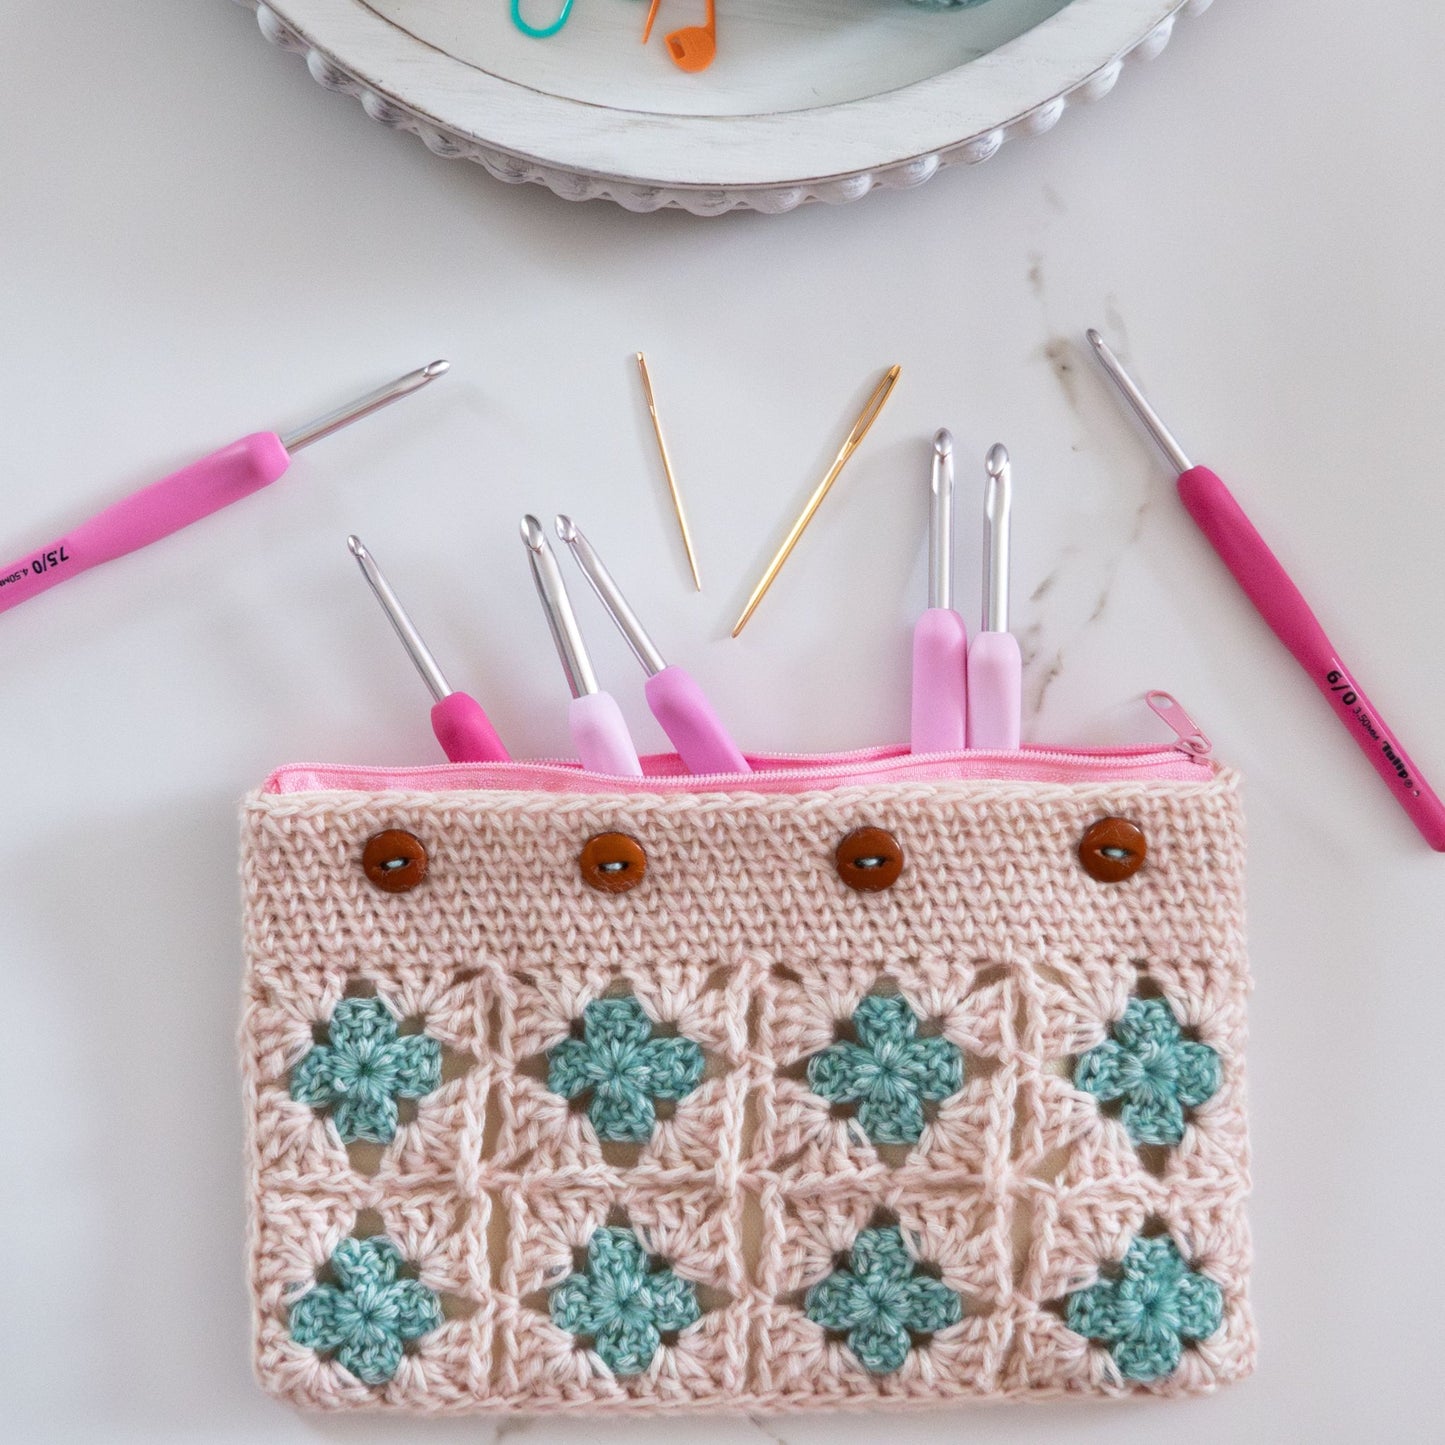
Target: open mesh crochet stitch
pixel 1019 1195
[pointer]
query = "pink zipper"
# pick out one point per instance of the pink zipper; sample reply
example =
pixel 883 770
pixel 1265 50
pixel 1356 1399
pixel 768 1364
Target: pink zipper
pixel 1187 759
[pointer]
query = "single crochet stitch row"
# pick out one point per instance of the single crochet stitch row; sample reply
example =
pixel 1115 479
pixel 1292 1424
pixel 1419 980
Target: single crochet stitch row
pixel 772 1144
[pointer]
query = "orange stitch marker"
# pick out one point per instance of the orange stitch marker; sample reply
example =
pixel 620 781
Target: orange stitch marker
pixel 692 48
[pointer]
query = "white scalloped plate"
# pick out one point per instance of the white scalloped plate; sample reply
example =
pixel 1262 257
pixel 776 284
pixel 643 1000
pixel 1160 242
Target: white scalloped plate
pixel 807 100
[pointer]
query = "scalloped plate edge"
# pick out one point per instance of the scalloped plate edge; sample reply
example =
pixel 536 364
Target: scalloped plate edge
pixel 638 196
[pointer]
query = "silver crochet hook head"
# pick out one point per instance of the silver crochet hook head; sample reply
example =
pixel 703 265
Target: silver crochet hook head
pixel 561 620
pixel 1128 389
pixel 405 629
pixel 997 510
pixel 363 406
pixel 940 522
pixel 610 596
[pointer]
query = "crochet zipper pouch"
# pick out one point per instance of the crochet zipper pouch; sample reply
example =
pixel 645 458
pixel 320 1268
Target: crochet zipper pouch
pixel 854 1081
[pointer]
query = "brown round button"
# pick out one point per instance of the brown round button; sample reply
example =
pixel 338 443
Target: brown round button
pixel 612 862
pixel 869 859
pixel 395 861
pixel 1112 850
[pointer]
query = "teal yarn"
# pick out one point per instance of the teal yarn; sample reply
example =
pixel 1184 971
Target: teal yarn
pixel 882 1300
pixel 623 1067
pixel 369 1314
pixel 623 1302
pixel 363 1068
pixel 890 1070
pixel 1153 1068
pixel 1146 1314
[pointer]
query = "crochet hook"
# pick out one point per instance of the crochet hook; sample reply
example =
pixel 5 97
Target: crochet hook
pixel 1282 605
pixel 877 399
pixel 461 726
pixel 940 638
pixel 598 731
pixel 186 496
pixel 677 702
pixel 995 667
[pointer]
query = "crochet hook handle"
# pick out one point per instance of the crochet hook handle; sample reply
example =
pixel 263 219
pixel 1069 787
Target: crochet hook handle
pixel 995 665
pixel 677 702
pixel 148 515
pixel 938 720
pixel 462 727
pixel 464 730
pixel 695 730
pixel 188 495
pixel 1282 605
pixel 600 735
pixel 939 714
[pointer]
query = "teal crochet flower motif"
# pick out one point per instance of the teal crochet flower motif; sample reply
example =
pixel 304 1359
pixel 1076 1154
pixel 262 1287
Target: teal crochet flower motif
pixel 1146 1313
pixel 624 1067
pixel 369 1314
pixel 363 1068
pixel 624 1302
pixel 1153 1068
pixel 891 1070
pixel 882 1300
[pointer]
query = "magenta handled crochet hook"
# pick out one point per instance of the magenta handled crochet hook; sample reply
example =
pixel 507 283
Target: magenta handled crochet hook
pixel 677 702
pixel 186 496
pixel 995 667
pixel 598 731
pixel 1282 605
pixel 461 726
pixel 940 637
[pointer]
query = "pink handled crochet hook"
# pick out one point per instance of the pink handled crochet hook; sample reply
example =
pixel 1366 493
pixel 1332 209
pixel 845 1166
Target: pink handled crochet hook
pixel 186 496
pixel 461 726
pixel 995 668
pixel 940 637
pixel 677 702
pixel 598 731
pixel 1282 605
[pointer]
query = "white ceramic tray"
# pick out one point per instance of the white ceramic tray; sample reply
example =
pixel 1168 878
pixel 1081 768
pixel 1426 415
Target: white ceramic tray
pixel 807 100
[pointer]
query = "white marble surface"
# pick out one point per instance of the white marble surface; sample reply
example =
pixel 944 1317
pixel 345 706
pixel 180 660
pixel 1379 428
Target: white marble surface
pixel 197 241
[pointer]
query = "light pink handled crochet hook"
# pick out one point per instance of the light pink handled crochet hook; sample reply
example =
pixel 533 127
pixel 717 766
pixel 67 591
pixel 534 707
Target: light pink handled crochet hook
pixel 1282 605
pixel 940 638
pixel 677 702
pixel 461 726
pixel 186 496
pixel 995 667
pixel 598 731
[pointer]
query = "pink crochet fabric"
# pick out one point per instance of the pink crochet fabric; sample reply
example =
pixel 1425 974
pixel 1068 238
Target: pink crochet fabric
pixel 1022 1190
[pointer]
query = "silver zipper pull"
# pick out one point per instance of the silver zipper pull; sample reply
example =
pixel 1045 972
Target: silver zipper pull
pixel 1191 738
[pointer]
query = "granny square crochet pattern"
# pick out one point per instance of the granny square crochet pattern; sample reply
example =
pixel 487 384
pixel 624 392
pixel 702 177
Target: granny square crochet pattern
pixel 741 1136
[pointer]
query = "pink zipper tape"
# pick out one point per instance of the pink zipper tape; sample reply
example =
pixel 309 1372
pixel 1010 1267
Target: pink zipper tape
pixel 771 773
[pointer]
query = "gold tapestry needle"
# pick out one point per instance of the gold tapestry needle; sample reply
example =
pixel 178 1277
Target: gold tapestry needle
pixel 667 468
pixel 866 418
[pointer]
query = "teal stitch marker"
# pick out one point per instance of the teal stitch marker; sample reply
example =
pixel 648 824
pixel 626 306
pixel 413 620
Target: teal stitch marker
pixel 546 30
